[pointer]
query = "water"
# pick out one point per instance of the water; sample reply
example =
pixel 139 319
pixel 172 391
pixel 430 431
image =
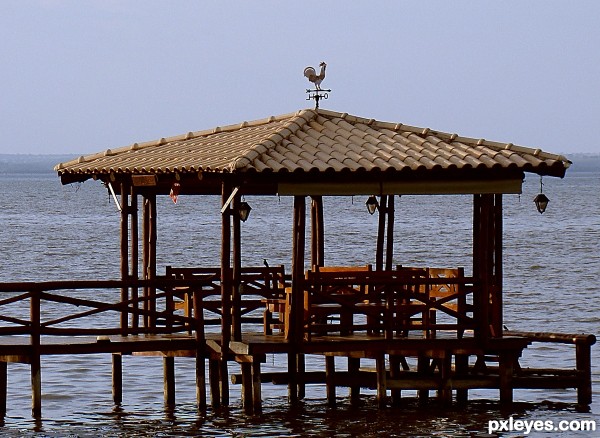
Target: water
pixel 54 232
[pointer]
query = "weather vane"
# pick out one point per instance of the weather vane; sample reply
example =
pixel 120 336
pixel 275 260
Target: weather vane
pixel 318 93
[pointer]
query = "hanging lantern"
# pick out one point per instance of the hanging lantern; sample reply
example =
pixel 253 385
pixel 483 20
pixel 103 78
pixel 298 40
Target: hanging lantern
pixel 244 211
pixel 372 204
pixel 541 202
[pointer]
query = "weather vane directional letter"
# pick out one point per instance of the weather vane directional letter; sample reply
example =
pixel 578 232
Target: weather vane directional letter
pixel 318 93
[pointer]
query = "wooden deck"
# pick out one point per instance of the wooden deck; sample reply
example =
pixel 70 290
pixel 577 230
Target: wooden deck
pixel 449 359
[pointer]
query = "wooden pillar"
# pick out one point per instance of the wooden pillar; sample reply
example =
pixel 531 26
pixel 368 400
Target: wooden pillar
pixel 381 233
pixel 134 255
pixel 236 323
pixel 394 375
pixel 461 363
pixel 506 363
pixel 214 381
pixel 152 257
pixel 169 380
pixel 353 374
pixel 226 282
pixel 149 255
pixel 256 387
pixel 35 357
pixel 200 349
pixel 496 296
pixel 247 391
pixel 145 253
pixel 124 251
pixel 381 380
pixel 296 316
pixel 389 252
pixel 3 389
pixel 117 378
pixel 330 379
pixel 483 263
pixel 317 247
pixel 584 369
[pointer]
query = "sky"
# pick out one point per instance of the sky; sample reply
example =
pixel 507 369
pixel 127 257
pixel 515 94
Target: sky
pixel 83 76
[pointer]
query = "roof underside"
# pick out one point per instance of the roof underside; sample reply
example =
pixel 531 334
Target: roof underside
pixel 319 147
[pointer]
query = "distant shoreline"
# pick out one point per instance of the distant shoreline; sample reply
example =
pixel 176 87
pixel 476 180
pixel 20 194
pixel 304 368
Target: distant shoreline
pixel 44 163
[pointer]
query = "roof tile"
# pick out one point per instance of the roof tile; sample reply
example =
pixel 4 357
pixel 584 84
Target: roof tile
pixel 314 141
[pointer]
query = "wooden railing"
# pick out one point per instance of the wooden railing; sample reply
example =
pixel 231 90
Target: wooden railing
pixel 55 309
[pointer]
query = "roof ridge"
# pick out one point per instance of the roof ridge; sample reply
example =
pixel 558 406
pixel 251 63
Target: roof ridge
pixel 299 119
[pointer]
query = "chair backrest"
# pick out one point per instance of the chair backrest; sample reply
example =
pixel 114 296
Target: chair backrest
pixel 445 289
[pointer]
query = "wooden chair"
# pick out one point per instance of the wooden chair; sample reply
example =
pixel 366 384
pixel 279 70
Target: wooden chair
pixel 333 303
pixel 452 297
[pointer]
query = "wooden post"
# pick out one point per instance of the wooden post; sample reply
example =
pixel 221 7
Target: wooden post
pixel 152 259
pixel 423 371
pixel 134 255
pixel 496 298
pixel 256 387
pixel 330 379
pixel 584 371
pixel 236 299
pixel 389 252
pixel 226 282
pixel 445 391
pixel 124 252
pixel 214 381
pixel 117 378
pixel 169 380
pixel 353 374
pixel 36 366
pixel 200 349
pixel 145 253
pixel 381 380
pixel 3 389
pixel 461 363
pixel 296 316
pixel 317 240
pixel 506 368
pixel 247 391
pixel 381 233
pixel 394 375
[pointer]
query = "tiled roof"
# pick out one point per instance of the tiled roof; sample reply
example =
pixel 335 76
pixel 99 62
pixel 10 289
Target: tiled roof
pixel 317 141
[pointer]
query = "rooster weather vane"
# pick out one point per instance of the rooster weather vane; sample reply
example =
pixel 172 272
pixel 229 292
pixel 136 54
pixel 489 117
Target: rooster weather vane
pixel 318 93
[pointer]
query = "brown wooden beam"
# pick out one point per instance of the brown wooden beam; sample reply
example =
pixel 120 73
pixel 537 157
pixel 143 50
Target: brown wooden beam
pixel 226 282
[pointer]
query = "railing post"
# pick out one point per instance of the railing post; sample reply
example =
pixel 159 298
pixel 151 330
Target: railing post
pixel 584 371
pixel 36 369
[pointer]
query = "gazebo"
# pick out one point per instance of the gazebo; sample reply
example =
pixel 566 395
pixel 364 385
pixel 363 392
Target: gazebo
pixel 312 154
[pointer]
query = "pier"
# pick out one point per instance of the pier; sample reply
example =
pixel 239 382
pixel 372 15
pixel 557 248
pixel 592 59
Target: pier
pixel 436 330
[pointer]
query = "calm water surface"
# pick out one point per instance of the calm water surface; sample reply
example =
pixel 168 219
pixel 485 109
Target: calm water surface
pixel 552 261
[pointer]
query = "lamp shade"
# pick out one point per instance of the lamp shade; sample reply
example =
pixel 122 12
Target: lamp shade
pixel 541 202
pixel 244 211
pixel 372 204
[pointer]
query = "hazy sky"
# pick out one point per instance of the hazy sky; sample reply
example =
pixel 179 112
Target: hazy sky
pixel 83 76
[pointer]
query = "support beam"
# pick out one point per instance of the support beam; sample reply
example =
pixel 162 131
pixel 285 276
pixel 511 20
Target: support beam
pixel 381 233
pixel 317 240
pixel 169 380
pixel 124 251
pixel 134 273
pixel 3 389
pixel 389 251
pixel 35 357
pixel 236 299
pixel 226 282
pixel 117 378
